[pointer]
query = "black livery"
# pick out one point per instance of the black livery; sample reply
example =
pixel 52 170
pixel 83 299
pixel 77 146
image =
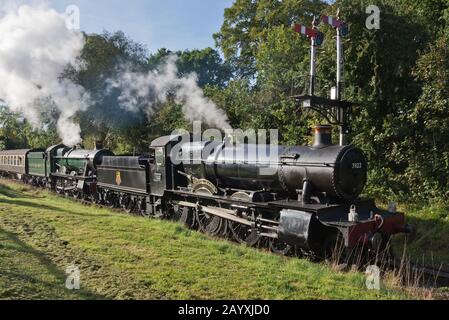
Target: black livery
pixel 290 197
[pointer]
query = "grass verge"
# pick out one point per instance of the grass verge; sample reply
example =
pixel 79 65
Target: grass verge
pixel 125 257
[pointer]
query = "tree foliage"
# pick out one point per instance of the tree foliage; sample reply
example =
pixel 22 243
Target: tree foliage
pixel 398 76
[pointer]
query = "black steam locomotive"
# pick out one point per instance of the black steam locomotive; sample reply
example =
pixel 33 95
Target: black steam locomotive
pixel 299 197
pixel 304 197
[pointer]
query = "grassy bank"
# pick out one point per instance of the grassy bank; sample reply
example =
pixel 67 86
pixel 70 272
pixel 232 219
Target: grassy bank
pixel 429 242
pixel 125 257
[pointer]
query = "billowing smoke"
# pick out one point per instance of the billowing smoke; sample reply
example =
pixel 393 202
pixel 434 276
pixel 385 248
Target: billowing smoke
pixel 146 91
pixel 35 49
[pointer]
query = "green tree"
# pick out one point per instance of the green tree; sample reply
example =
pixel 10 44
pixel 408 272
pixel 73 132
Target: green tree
pixel 247 24
pixel 17 133
pixel 103 55
pixel 382 78
pixel 206 63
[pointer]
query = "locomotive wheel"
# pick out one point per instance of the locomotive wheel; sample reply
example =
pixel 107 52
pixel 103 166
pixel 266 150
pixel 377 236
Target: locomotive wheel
pixel 280 248
pixel 209 224
pixel 142 208
pixel 95 198
pixel 184 216
pixel 129 207
pixel 111 201
pixel 244 234
pixel 59 187
pixel 127 204
pixel 76 194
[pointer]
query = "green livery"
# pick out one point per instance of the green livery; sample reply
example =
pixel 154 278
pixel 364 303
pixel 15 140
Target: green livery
pixel 37 164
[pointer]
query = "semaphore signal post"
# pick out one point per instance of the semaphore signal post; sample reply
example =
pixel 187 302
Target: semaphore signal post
pixel 334 108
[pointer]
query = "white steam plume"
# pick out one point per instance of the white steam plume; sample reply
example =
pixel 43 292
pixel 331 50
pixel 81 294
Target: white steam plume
pixel 145 91
pixel 35 49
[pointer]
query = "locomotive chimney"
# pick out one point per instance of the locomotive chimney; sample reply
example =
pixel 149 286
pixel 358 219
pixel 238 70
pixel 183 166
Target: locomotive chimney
pixel 323 137
pixel 98 145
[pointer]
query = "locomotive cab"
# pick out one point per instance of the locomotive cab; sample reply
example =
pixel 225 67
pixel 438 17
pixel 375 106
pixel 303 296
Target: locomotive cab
pixel 163 174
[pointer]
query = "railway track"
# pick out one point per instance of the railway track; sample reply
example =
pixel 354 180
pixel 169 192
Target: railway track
pixel 415 274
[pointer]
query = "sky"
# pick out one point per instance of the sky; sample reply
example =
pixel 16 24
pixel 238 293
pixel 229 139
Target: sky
pixel 171 24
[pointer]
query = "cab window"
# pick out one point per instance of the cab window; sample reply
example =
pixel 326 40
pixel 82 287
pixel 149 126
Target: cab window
pixel 160 156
